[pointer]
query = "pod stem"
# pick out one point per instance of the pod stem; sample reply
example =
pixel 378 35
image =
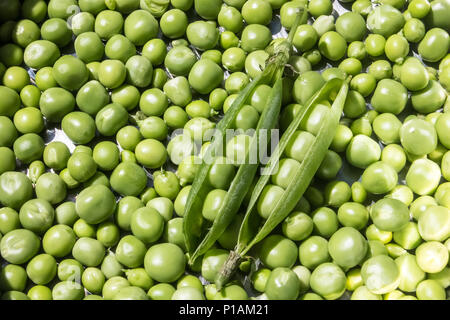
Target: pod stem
pixel 228 269
pixel 138 117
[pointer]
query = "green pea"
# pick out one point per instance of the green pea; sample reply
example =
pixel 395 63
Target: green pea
pixel 159 78
pixel 165 262
pixel 110 119
pixel 387 128
pixel 67 290
pixel 8 160
pixel 10 103
pixel 389 214
pixel 255 37
pixel 138 277
pixel 423 176
pixel 82 22
pixel 430 98
pixel 161 291
pixel 434 224
pixel 347 247
pixel 328 280
pixel 139 71
pixel 432 256
pixel 337 193
pixel 353 214
pixel 51 187
pixel 178 89
pixel 434 45
pixel 202 35
pixel 173 232
pixel 379 178
pixel 39 292
pixel 9 132
pixel 155 50
pixel 13 278
pixel 19 246
pixel 417 132
pixel 111 73
pixel 430 290
pixel 140 26
pixel 282 284
pixel 332 45
pixel 357 50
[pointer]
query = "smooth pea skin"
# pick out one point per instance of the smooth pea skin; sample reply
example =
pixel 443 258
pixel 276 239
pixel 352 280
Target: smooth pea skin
pixel 380 274
pixel 95 204
pixel 70 72
pixel 328 280
pixel 418 137
pixel 13 277
pixel 379 178
pixel 385 20
pixel 434 45
pixel 92 97
pixel 430 98
pixel 389 96
pixel 79 127
pixel 297 226
pixel 255 37
pixel 15 189
pixel 351 26
pixel 90 252
pixel 42 269
pixel 432 256
pixel 313 251
pixel 423 176
pixel 278 251
pixel 58 240
pixel 112 73
pixel 41 53
pixel 147 224
pixel 211 263
pixel 434 224
pixel 111 119
pixel 282 284
pixel 36 215
pixel 165 262
pixel 8 160
pixel 389 214
pixel 202 34
pixel 362 151
pixel 174 23
pixel 50 187
pixel 205 76
pixel 56 103
pixel 332 45
pixel 19 246
pixel 347 247
pixel 413 75
pixel 128 179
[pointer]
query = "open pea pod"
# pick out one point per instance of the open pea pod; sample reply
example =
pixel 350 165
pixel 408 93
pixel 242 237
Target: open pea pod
pixel 249 234
pixel 245 173
pixel 193 220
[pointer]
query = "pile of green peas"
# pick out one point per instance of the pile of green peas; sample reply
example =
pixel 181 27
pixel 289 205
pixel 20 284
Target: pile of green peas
pixel 98 212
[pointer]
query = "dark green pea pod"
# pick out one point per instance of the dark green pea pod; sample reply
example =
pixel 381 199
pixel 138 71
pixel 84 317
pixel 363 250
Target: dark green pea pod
pixel 193 220
pixel 251 233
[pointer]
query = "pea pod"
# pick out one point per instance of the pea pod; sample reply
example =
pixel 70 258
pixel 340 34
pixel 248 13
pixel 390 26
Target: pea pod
pixel 280 52
pixel 248 235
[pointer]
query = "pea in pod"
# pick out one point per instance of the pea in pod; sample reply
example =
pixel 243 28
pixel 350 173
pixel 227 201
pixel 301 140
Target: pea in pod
pixel 248 235
pixel 193 221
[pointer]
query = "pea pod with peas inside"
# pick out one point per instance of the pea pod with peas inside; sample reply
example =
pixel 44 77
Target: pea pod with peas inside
pixel 222 214
pixel 285 199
